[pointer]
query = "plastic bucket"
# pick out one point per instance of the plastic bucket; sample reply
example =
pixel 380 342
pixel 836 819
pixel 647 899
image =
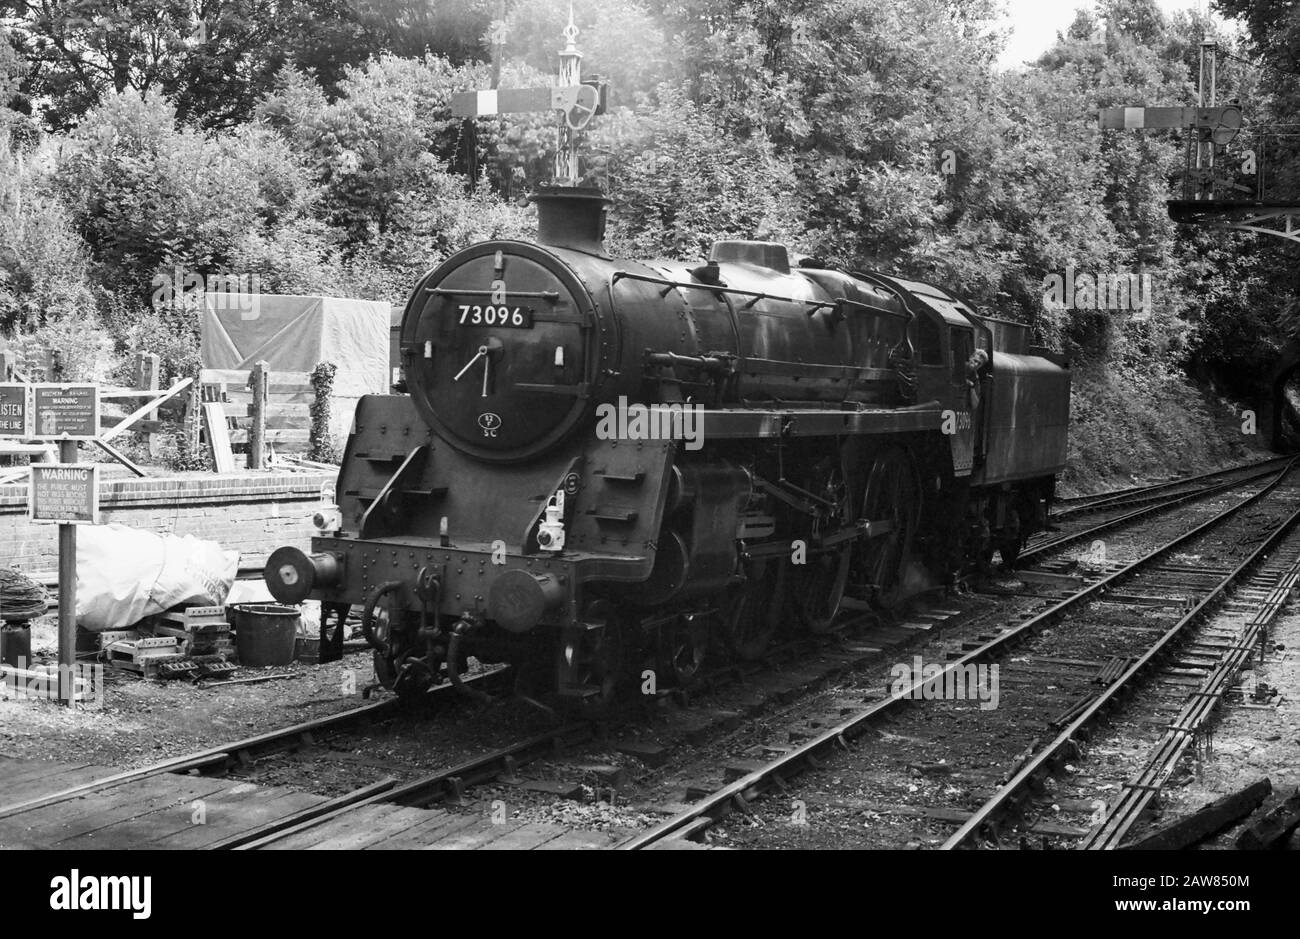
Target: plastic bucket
pixel 265 633
pixel 16 646
pixel 87 641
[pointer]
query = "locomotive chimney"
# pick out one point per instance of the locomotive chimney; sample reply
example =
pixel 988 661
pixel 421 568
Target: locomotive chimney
pixel 571 217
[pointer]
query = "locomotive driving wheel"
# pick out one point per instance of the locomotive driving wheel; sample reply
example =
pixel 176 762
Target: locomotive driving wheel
pixel 755 610
pixel 821 581
pixel 890 503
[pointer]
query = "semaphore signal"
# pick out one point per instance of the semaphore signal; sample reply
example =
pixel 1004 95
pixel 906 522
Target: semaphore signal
pixel 576 101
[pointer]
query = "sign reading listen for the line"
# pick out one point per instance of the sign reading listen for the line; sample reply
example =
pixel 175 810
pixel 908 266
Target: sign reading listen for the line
pixel 64 492
pixel 14 411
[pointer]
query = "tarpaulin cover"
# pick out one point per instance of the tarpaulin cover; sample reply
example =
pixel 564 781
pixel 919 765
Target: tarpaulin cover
pixel 295 334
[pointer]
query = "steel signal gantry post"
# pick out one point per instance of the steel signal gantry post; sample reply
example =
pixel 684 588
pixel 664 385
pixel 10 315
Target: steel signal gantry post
pixel 566 146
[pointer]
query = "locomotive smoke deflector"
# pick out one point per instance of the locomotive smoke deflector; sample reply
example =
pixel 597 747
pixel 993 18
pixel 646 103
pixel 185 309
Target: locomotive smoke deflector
pixel 572 217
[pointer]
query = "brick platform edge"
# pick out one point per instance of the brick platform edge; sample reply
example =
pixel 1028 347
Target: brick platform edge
pixel 253 513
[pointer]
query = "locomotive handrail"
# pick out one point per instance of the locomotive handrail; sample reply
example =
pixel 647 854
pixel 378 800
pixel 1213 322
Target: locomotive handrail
pixel 716 288
pixel 877 281
pixel 550 295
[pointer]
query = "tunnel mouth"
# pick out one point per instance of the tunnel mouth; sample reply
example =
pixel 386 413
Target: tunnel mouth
pixel 1285 403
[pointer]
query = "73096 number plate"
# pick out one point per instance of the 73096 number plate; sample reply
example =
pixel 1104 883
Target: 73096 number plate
pixel 511 317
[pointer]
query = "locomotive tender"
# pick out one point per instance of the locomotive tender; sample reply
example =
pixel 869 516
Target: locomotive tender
pixel 837 439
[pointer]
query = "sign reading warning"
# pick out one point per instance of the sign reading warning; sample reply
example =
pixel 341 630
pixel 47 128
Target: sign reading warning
pixel 64 492
pixel 66 411
pixel 14 411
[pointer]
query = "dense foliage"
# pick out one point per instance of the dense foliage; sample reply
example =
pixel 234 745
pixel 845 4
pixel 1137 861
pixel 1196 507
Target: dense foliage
pixel 309 144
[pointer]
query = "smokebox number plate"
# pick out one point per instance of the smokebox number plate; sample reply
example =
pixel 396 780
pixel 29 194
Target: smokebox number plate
pixel 513 317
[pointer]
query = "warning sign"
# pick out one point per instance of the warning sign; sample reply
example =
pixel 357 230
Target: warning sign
pixel 69 412
pixel 64 492
pixel 14 410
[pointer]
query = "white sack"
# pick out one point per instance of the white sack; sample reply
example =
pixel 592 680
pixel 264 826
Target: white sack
pixel 125 574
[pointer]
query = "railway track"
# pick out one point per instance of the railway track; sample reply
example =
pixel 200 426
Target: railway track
pixel 1197 620
pixel 352 817
pixel 1075 505
pixel 450 787
pixel 1144 505
pixel 94 784
pixel 1220 640
pixel 775 775
pixel 95 805
pixel 567 750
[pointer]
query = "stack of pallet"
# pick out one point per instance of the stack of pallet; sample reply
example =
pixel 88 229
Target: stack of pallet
pixel 191 643
pixel 201 630
pixel 147 656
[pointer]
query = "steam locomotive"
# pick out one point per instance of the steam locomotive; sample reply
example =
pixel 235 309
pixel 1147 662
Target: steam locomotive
pixel 606 464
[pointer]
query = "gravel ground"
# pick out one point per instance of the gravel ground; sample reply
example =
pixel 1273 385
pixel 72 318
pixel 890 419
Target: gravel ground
pixel 141 722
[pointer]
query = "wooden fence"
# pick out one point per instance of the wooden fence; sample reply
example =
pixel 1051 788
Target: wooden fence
pixel 226 410
pixel 135 408
pixel 258 409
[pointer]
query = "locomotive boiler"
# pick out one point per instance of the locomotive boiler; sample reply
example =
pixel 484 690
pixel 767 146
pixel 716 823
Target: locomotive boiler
pixel 605 465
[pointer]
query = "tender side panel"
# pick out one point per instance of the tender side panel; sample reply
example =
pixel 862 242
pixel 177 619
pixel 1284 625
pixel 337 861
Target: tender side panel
pixel 1029 402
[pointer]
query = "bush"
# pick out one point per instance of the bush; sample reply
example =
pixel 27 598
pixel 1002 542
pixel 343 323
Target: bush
pixel 1126 425
pixel 44 263
pixel 680 183
pixel 171 332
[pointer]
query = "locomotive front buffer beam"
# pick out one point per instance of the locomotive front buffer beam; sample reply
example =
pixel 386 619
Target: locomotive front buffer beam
pixel 459 600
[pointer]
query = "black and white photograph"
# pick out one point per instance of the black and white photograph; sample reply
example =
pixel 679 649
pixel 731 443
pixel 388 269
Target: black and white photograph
pixel 868 429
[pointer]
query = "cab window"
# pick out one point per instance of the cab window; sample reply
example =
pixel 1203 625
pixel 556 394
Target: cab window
pixel 928 346
pixel 963 344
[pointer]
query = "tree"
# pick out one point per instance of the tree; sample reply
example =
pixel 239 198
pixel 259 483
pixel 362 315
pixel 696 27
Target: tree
pixel 215 58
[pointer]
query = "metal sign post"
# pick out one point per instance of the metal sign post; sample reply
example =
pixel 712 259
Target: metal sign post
pixel 67 587
pixel 64 493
